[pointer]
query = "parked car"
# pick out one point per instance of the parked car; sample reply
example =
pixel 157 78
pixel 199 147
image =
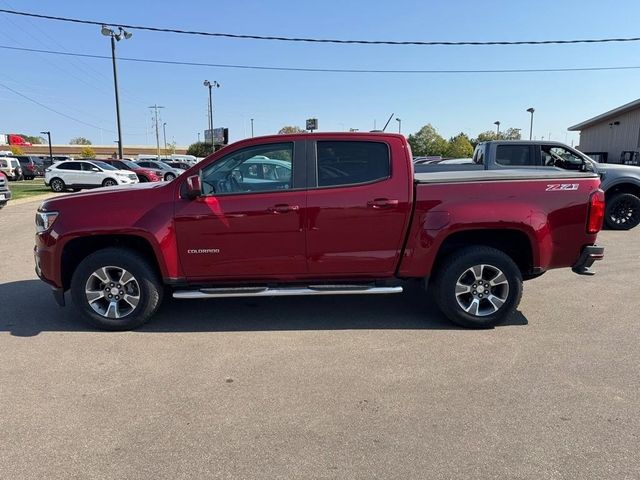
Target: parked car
pixel 144 174
pixel 621 183
pixel 353 219
pixel 32 166
pixel 11 167
pixel 178 165
pixel 5 191
pixel 168 173
pixel 78 174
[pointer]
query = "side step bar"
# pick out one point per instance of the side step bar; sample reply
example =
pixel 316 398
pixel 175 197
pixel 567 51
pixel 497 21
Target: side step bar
pixel 285 291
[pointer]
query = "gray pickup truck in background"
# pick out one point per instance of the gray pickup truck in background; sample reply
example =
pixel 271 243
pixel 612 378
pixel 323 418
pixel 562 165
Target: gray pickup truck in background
pixel 621 183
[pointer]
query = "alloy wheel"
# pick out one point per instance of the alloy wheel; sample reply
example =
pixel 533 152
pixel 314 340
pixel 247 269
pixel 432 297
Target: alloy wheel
pixel 112 292
pixel 481 290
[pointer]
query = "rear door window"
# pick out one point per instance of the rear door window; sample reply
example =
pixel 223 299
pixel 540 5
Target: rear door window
pixel 342 163
pixel 514 156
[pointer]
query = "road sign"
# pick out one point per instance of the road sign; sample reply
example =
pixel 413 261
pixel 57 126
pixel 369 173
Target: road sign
pixel 312 124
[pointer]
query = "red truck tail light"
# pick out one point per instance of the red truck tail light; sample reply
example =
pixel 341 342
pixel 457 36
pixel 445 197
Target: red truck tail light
pixel 596 212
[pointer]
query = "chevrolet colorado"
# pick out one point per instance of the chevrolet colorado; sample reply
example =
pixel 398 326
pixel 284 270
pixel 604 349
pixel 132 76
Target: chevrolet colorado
pixel 620 183
pixel 317 214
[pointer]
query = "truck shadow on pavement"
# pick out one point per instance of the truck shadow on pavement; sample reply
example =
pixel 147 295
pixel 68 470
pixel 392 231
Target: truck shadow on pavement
pixel 27 309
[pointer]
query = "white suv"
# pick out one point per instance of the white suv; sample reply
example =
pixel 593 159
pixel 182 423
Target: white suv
pixel 77 174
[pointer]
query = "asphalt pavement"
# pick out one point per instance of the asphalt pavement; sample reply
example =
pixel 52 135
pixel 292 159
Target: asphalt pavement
pixel 344 387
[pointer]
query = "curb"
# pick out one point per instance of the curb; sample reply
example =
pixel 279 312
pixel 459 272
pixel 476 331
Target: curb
pixel 35 198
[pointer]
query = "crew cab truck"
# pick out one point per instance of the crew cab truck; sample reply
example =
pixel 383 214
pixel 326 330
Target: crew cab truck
pixel 620 183
pixel 336 213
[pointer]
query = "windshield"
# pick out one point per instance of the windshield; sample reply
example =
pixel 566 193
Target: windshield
pixel 160 165
pixel 130 164
pixel 104 166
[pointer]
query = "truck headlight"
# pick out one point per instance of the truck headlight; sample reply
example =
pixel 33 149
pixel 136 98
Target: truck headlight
pixel 45 220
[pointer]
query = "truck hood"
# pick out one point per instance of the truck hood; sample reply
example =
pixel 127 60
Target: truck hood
pixel 103 194
pixel 618 167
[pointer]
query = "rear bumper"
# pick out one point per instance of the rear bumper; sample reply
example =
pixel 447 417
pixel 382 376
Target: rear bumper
pixel 589 255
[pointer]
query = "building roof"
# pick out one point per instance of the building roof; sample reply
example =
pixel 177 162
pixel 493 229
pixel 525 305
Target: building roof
pixel 606 115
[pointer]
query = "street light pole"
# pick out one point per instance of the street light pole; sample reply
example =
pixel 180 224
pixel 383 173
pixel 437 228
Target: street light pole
pixel 210 85
pixel 116 37
pixel 252 128
pixel 164 133
pixel 531 110
pixel 497 124
pixel 399 120
pixel 50 149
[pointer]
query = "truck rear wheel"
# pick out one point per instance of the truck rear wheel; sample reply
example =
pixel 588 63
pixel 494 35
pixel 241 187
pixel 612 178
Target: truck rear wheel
pixel 622 211
pixel 116 289
pixel 478 287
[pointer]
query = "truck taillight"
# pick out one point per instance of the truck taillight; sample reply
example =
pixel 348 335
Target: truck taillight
pixel 596 212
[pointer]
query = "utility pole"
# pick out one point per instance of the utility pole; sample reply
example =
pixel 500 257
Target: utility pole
pixel 211 85
pixel 155 108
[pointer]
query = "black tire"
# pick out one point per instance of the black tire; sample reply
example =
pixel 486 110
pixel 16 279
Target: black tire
pixel 622 212
pixel 169 176
pixel 456 267
pixel 109 182
pixel 142 179
pixel 57 185
pixel 149 289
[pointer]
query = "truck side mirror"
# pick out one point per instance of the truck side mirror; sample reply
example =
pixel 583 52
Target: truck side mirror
pixel 194 187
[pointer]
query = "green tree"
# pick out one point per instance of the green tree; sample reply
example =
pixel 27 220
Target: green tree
pixel 490 135
pixel 427 142
pixel 79 141
pixel 290 129
pixel 460 146
pixel 199 149
pixel 87 152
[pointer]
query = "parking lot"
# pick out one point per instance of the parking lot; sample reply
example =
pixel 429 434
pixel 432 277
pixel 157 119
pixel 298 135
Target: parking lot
pixel 345 387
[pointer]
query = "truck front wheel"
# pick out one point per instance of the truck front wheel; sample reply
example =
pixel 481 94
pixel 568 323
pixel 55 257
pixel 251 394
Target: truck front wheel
pixel 116 289
pixel 478 287
pixel 622 211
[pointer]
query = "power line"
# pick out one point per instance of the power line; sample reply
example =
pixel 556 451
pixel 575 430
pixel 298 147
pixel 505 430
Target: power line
pixel 323 40
pixel 324 70
pixel 54 110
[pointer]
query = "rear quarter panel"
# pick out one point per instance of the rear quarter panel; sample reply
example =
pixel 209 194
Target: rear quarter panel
pixel 554 221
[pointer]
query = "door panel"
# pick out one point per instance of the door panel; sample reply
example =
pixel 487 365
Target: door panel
pixel 356 229
pixel 238 236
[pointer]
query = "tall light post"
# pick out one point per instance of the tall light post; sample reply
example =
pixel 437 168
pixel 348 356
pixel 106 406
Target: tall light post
pixel 531 110
pixel 164 134
pixel 50 150
pixel 198 137
pixel 497 124
pixel 211 85
pixel 116 37
pixel 252 128
pixel 399 120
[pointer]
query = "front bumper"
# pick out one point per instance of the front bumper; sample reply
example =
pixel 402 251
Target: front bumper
pixel 6 194
pixel 589 255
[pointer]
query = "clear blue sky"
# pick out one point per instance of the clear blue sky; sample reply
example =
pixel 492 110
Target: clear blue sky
pixel 452 103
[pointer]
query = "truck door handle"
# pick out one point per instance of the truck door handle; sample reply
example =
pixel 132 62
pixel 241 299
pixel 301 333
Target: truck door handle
pixel 382 203
pixel 283 208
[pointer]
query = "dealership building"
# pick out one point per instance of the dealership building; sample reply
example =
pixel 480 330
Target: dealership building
pixel 612 136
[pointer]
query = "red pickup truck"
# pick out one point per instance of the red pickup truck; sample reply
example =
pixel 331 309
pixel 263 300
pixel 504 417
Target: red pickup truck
pixel 317 214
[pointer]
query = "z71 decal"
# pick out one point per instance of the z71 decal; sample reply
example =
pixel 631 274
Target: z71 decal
pixel 554 187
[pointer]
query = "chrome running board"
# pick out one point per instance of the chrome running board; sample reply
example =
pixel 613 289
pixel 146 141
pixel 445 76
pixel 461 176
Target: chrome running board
pixel 285 291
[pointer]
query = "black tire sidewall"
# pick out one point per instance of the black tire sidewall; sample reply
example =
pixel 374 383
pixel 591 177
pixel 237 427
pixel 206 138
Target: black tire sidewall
pixel 455 265
pixel 150 287
pixel 611 204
